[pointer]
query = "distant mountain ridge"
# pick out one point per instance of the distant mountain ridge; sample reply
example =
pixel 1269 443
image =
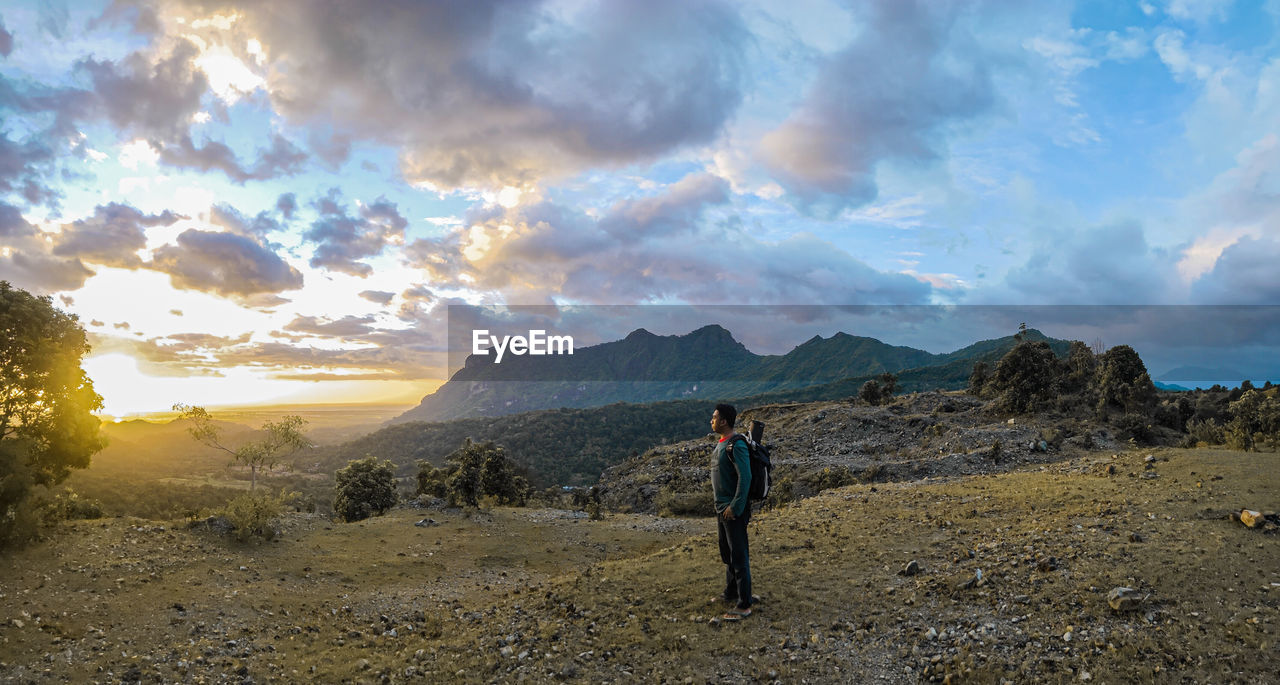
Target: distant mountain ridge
pixel 705 363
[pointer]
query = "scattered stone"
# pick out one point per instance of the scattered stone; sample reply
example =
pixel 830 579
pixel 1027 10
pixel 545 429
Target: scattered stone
pixel 912 568
pixel 1047 564
pixel 1135 537
pixel 425 523
pixel 1150 459
pixel 1125 598
pixel 1251 518
pixel 1149 475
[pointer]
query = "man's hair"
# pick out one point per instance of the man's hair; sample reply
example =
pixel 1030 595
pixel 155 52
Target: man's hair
pixel 728 413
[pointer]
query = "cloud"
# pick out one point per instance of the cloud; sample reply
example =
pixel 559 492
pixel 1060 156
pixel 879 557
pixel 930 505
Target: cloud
pixel 42 273
pixel 24 166
pixel 381 297
pixel 341 239
pixel 111 237
pixel 1245 273
pixel 287 204
pixel 13 226
pixel 664 247
pixel 496 94
pixel 230 218
pixel 912 70
pixel 346 327
pixel 283 158
pixel 226 264
pixel 1102 264
pixel 155 99
pixel 6 40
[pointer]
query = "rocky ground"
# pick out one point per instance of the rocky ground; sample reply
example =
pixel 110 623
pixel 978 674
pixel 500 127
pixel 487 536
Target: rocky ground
pixel 921 435
pixel 990 577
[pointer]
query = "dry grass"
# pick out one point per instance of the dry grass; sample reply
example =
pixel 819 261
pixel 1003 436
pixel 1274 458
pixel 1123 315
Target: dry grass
pixel 625 598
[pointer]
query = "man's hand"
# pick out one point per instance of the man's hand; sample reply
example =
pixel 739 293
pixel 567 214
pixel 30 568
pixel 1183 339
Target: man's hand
pixel 728 514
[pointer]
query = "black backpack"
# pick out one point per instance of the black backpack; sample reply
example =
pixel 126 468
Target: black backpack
pixel 761 466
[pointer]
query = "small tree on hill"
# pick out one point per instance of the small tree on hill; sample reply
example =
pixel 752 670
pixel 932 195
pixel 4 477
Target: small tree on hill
pixel 47 426
pixel 283 437
pixel 365 487
pixel 472 471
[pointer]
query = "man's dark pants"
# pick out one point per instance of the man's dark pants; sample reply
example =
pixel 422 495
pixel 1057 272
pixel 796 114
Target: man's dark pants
pixel 734 553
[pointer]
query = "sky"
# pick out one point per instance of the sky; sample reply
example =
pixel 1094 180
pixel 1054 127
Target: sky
pixel 278 202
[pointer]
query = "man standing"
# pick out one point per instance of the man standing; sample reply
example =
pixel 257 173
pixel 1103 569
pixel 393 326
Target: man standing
pixel 730 482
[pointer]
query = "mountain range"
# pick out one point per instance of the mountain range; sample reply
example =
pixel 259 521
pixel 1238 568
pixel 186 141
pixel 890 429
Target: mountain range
pixel 706 363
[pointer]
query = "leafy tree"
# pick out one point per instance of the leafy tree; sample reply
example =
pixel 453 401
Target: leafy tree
pixel 1123 382
pixel 472 471
pixel 47 426
pixel 870 392
pixel 364 488
pixel 1026 377
pixel 283 437
pixel 978 377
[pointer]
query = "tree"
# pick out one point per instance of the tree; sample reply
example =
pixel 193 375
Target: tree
pixel 283 437
pixel 365 487
pixel 1123 382
pixel 47 426
pixel 1026 377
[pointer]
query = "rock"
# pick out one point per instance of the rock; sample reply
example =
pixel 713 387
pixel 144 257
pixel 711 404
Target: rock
pixel 1135 537
pixel 1125 598
pixel 362 665
pixel 424 523
pixel 1251 518
pixel 1150 459
pixel 912 568
pixel 1149 475
pixel 507 651
pixel 1047 564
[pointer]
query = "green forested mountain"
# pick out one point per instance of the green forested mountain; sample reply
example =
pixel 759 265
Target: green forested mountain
pixel 643 368
pixel 573 445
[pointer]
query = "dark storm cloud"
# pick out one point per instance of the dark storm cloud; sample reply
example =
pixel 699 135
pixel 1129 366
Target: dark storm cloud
pixel 381 297
pixel 226 264
pixel 912 69
pixel 342 239
pixel 112 236
pixel 283 158
pixel 665 246
pixel 501 93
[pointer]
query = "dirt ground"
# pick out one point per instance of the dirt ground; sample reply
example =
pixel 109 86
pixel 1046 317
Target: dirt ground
pixel 515 595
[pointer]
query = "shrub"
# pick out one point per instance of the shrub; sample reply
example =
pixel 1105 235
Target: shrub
pixel 1207 431
pixel 364 488
pixel 674 503
pixel 254 515
pixel 70 506
pixel 1135 427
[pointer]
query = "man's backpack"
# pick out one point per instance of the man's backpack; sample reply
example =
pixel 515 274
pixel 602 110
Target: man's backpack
pixel 761 468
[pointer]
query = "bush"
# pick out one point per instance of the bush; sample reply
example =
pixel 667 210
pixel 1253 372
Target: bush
pixel 254 515
pixel 1207 431
pixel 1026 378
pixel 673 503
pixel 1135 427
pixel 70 506
pixel 474 471
pixel 364 488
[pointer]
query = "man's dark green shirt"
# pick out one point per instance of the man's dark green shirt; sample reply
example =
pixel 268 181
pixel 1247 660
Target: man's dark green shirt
pixel 731 475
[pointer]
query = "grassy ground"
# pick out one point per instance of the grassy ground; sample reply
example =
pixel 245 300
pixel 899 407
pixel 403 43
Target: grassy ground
pixel 518 595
